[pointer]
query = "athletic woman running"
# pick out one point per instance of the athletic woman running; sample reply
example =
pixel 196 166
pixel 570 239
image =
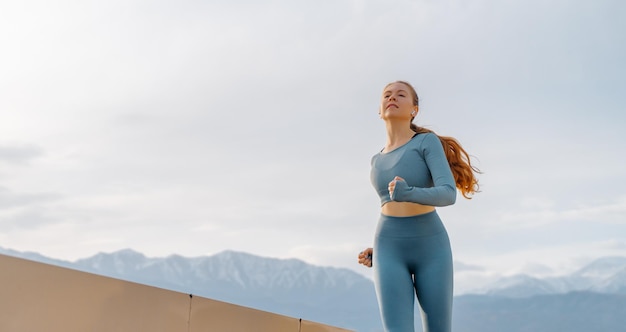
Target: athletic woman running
pixel 416 171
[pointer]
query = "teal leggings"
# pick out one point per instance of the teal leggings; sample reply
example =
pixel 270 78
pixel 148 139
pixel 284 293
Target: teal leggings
pixel 412 256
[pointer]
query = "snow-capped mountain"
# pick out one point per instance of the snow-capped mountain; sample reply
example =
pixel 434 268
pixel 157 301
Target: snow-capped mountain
pixel 604 275
pixel 239 270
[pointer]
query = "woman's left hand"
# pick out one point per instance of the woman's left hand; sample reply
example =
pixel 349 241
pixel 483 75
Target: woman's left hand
pixel 392 185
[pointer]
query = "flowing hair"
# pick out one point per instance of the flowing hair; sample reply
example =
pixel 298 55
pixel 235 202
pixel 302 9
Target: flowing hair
pixel 459 160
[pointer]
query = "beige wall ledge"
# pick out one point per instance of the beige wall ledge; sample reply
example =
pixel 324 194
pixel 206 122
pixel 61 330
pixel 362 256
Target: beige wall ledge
pixel 37 297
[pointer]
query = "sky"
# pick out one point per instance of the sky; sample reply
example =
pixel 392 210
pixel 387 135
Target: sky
pixel 193 127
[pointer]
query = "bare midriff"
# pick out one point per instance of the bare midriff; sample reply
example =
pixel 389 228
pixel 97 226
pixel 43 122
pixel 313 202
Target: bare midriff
pixel 405 209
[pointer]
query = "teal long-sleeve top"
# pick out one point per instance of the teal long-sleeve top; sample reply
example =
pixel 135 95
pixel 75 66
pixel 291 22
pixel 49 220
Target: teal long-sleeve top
pixel 423 165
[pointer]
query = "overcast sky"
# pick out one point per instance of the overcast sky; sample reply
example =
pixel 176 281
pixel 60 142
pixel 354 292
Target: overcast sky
pixel 193 127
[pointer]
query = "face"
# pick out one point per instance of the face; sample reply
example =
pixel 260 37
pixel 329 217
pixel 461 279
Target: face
pixel 397 102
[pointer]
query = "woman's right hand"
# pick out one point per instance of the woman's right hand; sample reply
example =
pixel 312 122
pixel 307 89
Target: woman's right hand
pixel 365 257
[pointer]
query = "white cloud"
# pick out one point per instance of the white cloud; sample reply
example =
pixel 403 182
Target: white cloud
pixel 19 153
pixel 196 127
pixel 604 212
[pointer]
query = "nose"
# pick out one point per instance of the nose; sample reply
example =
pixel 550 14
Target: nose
pixel 391 97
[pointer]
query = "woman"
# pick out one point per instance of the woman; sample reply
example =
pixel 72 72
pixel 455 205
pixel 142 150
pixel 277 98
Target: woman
pixel 415 172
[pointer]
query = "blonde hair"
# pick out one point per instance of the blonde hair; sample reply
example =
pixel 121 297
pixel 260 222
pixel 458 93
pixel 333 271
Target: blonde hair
pixel 459 160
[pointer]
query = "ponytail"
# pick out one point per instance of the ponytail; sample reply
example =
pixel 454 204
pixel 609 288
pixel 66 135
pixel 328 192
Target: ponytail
pixel 459 161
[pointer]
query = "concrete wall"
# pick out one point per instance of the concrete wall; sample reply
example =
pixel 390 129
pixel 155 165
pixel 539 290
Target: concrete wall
pixel 37 297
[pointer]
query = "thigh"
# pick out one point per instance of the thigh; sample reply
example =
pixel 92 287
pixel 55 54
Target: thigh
pixel 434 285
pixel 394 287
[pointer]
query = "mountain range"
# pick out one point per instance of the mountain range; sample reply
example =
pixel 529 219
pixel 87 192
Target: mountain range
pixel 605 275
pixel 590 299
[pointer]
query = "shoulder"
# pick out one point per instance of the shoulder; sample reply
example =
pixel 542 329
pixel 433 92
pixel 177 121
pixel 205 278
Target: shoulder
pixel 430 137
pixel 430 143
pixel 426 140
pixel 374 157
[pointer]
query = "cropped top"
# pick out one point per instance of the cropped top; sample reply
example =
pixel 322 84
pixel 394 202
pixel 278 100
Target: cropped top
pixel 422 163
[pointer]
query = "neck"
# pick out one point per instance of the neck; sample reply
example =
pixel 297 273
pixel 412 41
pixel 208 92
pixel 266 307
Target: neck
pixel 398 132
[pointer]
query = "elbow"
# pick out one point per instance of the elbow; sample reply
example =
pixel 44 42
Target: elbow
pixel 448 201
pixel 450 197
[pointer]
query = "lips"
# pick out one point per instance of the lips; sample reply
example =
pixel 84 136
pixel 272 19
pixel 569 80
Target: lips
pixel 394 105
